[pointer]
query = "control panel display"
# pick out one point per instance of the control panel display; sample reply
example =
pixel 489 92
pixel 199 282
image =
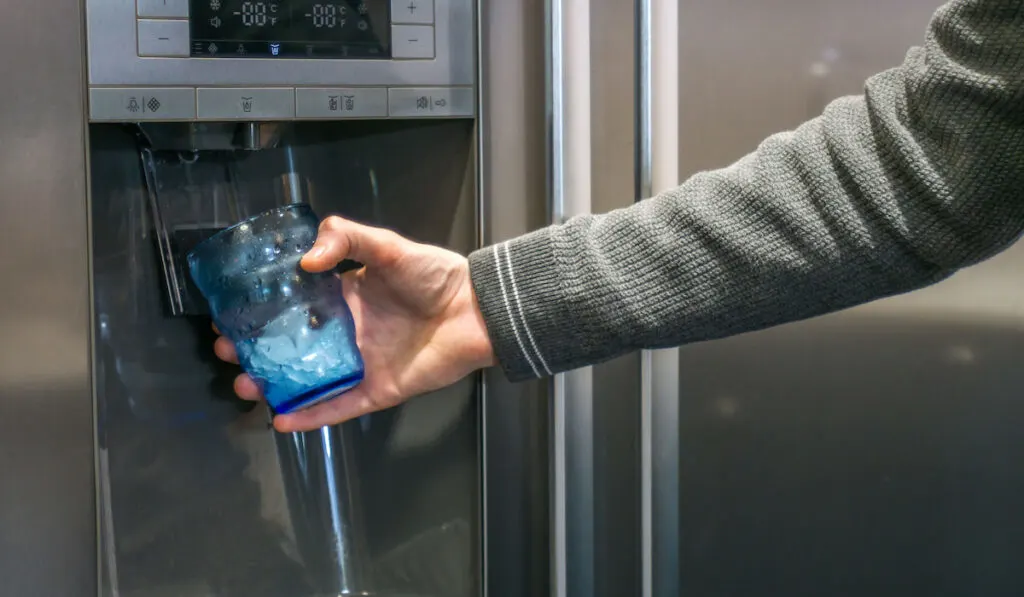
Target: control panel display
pixel 338 29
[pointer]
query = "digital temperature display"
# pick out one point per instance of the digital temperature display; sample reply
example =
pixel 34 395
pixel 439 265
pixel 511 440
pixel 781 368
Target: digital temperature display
pixel 290 29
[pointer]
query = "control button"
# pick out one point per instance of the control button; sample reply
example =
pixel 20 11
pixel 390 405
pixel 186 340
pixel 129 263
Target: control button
pixel 163 38
pixel 135 104
pixel 163 8
pixel 431 102
pixel 246 104
pixel 412 12
pixel 341 102
pixel 412 41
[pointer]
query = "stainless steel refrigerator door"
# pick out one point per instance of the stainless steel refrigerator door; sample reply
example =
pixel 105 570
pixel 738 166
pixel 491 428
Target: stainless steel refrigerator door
pixel 48 531
pixel 47 504
pixel 513 190
pixel 870 452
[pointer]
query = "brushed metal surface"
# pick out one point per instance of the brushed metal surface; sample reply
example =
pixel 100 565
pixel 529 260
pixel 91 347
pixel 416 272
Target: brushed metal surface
pixel 513 187
pixel 47 505
pixel 113 59
pixel 870 452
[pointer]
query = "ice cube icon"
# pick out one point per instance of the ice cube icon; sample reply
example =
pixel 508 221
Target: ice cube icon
pixel 275 49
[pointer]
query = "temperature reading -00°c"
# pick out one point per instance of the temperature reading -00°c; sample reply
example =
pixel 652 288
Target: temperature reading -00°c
pixel 332 15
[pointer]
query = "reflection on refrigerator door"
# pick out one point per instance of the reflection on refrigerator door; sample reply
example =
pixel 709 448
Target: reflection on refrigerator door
pixel 198 495
pixel 871 452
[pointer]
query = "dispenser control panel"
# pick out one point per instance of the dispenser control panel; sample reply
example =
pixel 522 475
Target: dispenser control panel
pixel 300 29
pixel 280 59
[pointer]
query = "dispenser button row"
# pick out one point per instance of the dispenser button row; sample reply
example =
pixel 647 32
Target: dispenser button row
pixel 282 103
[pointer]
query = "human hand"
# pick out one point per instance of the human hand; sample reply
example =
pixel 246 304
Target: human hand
pixel 417 322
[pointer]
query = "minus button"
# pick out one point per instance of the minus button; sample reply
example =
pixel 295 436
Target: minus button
pixel 412 42
pixel 163 38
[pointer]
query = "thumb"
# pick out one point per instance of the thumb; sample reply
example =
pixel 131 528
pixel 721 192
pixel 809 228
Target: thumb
pixel 339 239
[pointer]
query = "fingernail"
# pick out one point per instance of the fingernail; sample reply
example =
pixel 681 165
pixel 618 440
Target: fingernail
pixel 318 252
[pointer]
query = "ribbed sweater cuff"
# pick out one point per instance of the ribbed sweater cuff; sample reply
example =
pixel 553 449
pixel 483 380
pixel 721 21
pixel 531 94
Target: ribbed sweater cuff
pixel 517 284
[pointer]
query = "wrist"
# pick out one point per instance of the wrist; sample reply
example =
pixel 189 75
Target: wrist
pixel 476 347
pixel 482 350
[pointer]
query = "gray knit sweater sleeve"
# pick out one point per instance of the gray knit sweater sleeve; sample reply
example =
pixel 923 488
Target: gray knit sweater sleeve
pixel 884 193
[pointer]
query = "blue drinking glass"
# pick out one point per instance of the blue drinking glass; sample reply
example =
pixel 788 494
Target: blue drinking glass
pixel 292 329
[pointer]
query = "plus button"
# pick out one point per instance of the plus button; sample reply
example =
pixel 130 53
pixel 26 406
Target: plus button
pixel 411 12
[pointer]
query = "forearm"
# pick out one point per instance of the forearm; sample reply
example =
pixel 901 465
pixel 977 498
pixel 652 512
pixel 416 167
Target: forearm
pixel 882 194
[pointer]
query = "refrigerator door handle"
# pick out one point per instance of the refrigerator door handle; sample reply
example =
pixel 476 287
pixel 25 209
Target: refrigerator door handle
pixel 658 170
pixel 568 99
